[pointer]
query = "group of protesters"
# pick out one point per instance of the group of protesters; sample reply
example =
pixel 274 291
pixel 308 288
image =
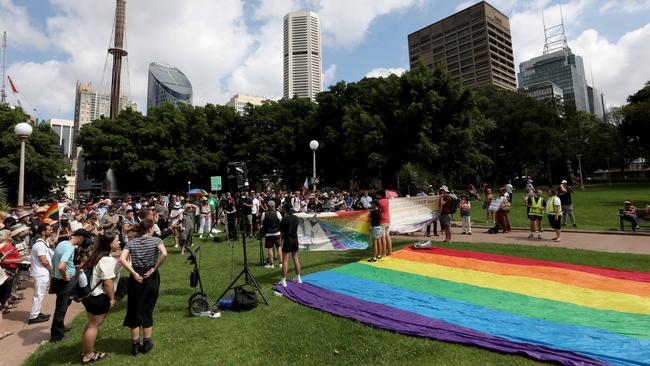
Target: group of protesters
pixel 84 243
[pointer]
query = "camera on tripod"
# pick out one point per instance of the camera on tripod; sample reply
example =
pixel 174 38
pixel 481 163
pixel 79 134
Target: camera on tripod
pixel 237 176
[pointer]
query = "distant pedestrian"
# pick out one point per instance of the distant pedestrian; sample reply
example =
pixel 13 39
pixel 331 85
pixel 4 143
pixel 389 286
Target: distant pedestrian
pixel 554 211
pixel 445 202
pixel 375 231
pixel 384 220
pixel 40 271
pixel 465 214
pixel 536 208
pixel 271 229
pixel 564 192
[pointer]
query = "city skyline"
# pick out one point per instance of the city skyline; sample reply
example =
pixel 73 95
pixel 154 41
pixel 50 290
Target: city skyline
pixel 236 47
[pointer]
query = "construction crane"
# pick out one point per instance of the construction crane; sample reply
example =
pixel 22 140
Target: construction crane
pixel 3 94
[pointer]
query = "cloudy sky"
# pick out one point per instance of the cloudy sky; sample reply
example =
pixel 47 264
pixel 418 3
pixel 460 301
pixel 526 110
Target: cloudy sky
pixel 235 46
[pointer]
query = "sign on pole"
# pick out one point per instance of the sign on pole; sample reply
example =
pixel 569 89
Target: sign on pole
pixel 215 183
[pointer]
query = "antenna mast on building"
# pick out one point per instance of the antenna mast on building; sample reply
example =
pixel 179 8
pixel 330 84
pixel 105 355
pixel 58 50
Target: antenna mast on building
pixel 118 52
pixel 554 36
pixel 3 86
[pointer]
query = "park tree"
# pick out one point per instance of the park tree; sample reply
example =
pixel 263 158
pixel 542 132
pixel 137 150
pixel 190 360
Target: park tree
pixel 44 166
pixel 635 125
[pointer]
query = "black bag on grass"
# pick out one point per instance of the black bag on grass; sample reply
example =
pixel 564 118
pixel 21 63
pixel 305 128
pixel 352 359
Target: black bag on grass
pixel 244 299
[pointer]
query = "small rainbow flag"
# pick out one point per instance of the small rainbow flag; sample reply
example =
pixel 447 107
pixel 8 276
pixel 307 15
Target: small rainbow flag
pixel 52 212
pixel 563 313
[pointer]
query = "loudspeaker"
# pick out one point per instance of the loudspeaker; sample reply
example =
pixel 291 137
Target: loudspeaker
pixel 237 176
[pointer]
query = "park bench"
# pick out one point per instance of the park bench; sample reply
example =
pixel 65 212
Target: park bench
pixel 643 216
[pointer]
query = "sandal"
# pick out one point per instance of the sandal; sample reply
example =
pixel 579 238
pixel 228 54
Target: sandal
pixel 5 335
pixel 97 356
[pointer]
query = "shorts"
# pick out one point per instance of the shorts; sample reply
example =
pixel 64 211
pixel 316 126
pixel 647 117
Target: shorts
pixel 534 218
pixel 445 221
pixel 385 228
pixel 272 241
pixel 290 246
pixel 555 224
pixel 97 305
pixel 376 232
pixel 250 219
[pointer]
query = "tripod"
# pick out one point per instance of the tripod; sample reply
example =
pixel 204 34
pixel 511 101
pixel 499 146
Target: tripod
pixel 248 276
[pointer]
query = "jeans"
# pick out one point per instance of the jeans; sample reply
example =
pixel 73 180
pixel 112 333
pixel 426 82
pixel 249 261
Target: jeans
pixel 40 287
pixel 567 210
pixel 467 224
pixel 60 288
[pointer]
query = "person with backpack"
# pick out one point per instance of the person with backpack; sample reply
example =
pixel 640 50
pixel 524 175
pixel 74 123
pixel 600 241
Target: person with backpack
pixel 103 271
pixel 445 202
pixel 147 255
pixel 271 229
pixel 63 270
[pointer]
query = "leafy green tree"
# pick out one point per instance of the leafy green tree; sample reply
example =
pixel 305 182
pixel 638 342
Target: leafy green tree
pixel 635 126
pixel 44 167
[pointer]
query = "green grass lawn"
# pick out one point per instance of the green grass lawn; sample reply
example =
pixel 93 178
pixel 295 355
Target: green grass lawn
pixel 595 208
pixel 285 333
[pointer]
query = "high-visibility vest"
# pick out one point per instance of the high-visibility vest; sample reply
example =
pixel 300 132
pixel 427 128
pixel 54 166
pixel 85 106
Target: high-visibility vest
pixel 536 208
pixel 550 206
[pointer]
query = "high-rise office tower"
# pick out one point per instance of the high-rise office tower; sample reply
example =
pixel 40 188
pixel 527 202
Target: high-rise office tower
pixel 303 61
pixel 473 44
pixel 167 84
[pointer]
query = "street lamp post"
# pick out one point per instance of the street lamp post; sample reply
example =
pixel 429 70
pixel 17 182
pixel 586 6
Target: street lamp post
pixel 582 182
pixel 609 175
pixel 189 183
pixel 313 145
pixel 23 130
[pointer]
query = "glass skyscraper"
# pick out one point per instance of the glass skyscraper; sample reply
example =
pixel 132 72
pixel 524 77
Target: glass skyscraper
pixel 167 84
pixel 562 68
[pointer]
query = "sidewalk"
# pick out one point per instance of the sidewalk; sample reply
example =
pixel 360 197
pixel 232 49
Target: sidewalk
pixel 611 243
pixel 26 338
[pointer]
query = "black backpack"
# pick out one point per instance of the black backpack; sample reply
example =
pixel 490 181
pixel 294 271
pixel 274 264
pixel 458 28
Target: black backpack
pixel 454 205
pixel 78 292
pixel 244 299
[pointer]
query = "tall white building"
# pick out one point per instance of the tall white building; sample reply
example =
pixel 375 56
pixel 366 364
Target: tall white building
pixel 303 61
pixel 240 101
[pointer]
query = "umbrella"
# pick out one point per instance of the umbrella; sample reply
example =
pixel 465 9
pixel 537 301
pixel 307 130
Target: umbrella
pixel 391 194
pixel 197 192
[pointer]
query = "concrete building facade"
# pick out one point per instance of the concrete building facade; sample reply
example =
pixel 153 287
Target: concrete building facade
pixel 474 45
pixel 544 90
pixel 240 101
pixel 303 60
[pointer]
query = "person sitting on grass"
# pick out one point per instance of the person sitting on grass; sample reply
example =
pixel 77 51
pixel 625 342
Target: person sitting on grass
pixel 289 237
pixel 103 281
pixel 375 231
pixel 630 214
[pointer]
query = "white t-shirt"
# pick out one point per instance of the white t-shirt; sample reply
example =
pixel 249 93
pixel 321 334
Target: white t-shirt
pixel 37 269
pixel 556 202
pixel 176 215
pixel 256 206
pixel 107 268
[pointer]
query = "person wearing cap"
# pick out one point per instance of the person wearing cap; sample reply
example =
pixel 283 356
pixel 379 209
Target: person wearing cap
pixel 175 217
pixel 444 203
pixel 630 214
pixel 564 192
pixel 40 271
pixel 63 270
pixel 289 238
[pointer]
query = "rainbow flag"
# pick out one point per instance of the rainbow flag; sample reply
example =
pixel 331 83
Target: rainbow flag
pixel 52 212
pixel 569 314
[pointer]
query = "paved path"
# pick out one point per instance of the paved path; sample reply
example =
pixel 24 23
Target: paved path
pixel 612 243
pixel 26 338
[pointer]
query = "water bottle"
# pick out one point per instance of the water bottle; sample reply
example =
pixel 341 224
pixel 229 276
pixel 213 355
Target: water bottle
pixel 83 280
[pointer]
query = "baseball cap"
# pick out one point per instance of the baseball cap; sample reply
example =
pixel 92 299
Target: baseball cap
pixel 81 232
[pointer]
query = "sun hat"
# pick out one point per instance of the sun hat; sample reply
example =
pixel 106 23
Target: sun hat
pixel 177 205
pixel 444 189
pixel 204 198
pixel 627 202
pixel 23 213
pixel 564 181
pixel 17 229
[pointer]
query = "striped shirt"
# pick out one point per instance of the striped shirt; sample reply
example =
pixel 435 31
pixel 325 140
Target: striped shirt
pixel 144 252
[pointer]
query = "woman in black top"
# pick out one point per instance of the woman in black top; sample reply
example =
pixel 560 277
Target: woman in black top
pixel 147 254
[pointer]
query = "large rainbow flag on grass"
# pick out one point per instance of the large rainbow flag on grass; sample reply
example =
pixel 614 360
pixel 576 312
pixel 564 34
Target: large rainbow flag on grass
pixel 569 314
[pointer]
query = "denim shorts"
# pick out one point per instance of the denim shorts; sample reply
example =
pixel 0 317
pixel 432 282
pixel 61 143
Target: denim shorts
pixel 376 232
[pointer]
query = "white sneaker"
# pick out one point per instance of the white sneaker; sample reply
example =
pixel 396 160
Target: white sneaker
pixel 283 282
pixel 297 279
pixel 280 265
pixel 201 236
pixel 539 235
pixel 176 246
pixel 268 265
pixel 530 236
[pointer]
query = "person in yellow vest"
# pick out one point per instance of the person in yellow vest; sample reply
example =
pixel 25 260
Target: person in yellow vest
pixel 554 212
pixel 536 207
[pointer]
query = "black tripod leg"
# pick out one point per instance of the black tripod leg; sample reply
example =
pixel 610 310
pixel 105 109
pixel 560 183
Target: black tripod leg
pixel 250 280
pixel 231 285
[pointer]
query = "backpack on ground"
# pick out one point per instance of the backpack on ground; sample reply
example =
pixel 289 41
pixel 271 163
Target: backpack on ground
pixel 244 299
